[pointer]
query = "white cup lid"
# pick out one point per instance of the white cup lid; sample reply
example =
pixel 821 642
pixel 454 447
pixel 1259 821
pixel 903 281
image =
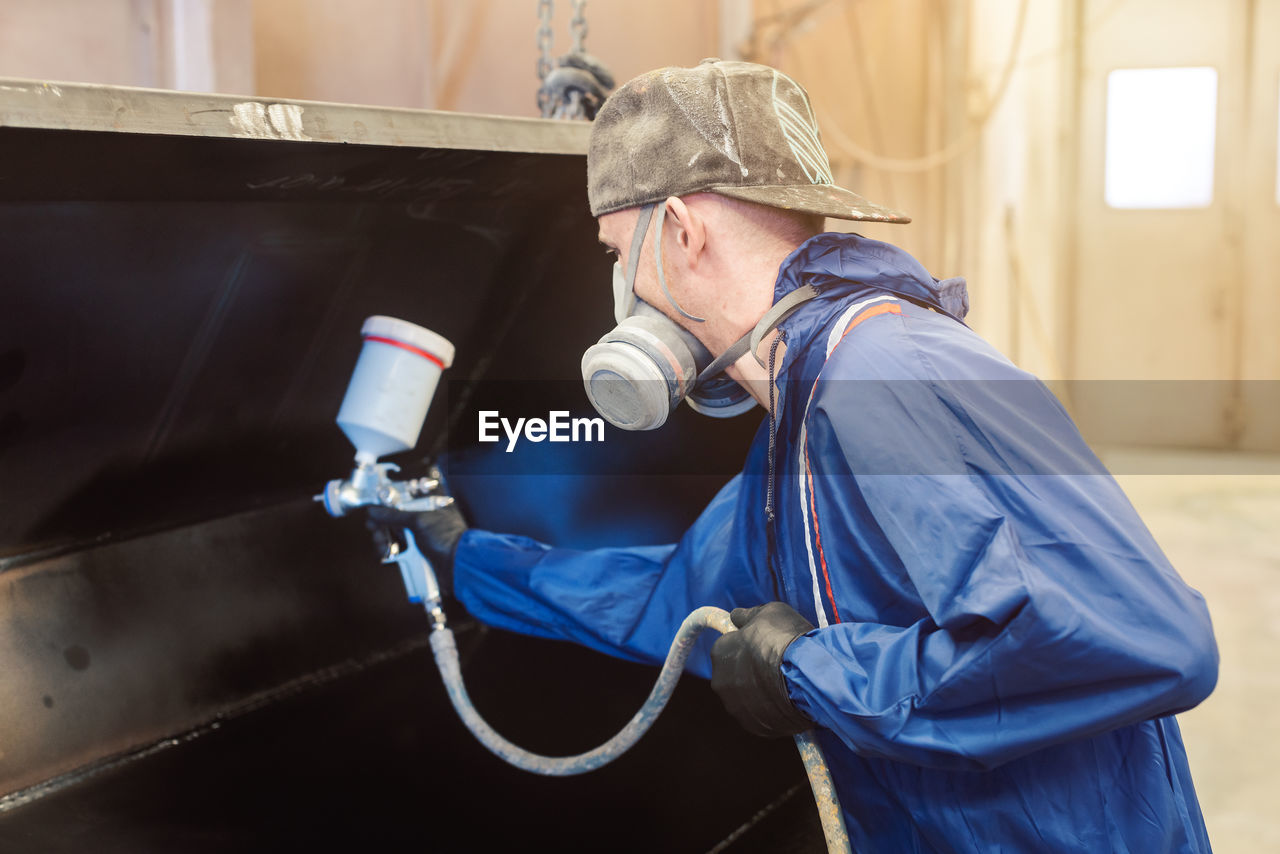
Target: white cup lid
pixel 381 326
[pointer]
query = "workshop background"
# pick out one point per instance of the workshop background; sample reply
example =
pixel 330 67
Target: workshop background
pixel 1105 173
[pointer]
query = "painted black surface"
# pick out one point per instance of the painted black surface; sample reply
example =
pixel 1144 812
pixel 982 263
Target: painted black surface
pixel 377 761
pixel 121 645
pixel 178 321
pixel 177 327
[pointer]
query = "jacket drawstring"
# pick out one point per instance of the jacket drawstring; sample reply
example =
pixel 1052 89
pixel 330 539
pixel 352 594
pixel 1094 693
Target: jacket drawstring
pixel 773 421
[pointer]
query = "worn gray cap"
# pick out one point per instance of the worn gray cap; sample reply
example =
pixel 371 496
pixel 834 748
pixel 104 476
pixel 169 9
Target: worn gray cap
pixel 735 128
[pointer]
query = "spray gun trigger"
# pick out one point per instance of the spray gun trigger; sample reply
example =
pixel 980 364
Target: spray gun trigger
pixel 419 581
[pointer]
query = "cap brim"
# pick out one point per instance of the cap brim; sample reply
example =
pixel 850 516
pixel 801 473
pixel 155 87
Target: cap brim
pixel 825 199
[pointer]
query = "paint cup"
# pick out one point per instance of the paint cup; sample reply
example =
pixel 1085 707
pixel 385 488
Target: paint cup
pixel 392 386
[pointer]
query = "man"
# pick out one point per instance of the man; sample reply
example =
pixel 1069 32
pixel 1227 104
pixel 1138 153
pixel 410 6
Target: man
pixel 930 567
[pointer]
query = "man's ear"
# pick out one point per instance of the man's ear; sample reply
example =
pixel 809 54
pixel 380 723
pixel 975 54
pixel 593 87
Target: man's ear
pixel 687 227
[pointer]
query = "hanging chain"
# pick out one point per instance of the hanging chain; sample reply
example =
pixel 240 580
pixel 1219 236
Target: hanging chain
pixel 575 85
pixel 544 38
pixel 578 25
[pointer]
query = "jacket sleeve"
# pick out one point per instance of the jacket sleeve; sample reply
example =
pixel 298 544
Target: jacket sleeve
pixel 1046 610
pixel 627 602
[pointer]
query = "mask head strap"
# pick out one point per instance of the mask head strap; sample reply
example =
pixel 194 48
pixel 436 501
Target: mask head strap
pixel 628 301
pixel 780 311
pixel 662 279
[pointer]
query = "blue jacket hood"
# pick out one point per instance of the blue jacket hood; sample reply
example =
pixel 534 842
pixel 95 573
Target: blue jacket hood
pixel 846 263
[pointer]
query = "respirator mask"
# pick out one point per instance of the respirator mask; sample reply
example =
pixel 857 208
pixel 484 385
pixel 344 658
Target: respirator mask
pixel 641 369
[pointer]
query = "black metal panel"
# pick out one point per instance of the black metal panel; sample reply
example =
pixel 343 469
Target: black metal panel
pixel 111 648
pixel 176 346
pixel 377 761
pixel 178 320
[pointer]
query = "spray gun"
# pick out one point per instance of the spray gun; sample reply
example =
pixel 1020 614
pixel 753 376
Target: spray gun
pixel 386 402
pixel 382 413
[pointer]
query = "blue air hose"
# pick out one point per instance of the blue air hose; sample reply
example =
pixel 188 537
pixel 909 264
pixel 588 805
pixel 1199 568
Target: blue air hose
pixel 446 655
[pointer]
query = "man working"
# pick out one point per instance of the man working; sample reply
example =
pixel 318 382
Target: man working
pixel 931 568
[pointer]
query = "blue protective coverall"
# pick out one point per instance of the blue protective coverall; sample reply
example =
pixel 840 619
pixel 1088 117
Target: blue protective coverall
pixel 1000 644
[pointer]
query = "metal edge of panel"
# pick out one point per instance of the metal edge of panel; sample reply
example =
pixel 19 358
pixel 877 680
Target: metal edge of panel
pixel 126 109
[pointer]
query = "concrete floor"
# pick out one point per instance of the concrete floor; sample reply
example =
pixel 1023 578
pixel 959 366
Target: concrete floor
pixel 1218 519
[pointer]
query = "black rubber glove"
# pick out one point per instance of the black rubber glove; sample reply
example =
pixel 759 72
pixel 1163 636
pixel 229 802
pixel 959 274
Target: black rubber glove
pixel 435 531
pixel 746 669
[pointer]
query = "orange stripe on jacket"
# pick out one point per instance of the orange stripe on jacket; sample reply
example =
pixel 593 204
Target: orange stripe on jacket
pixel 883 308
pixel 817 534
pixel 875 310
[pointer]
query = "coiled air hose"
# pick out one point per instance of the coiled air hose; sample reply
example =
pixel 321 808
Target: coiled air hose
pixel 382 413
pixel 446 655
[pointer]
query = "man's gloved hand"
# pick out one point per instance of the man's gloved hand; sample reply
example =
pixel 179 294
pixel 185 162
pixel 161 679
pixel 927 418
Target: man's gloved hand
pixel 746 669
pixel 435 531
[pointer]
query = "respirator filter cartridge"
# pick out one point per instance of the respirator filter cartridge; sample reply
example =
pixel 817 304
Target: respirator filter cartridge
pixel 640 370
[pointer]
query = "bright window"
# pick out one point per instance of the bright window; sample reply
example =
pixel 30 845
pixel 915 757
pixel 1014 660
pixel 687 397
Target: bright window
pixel 1160 133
